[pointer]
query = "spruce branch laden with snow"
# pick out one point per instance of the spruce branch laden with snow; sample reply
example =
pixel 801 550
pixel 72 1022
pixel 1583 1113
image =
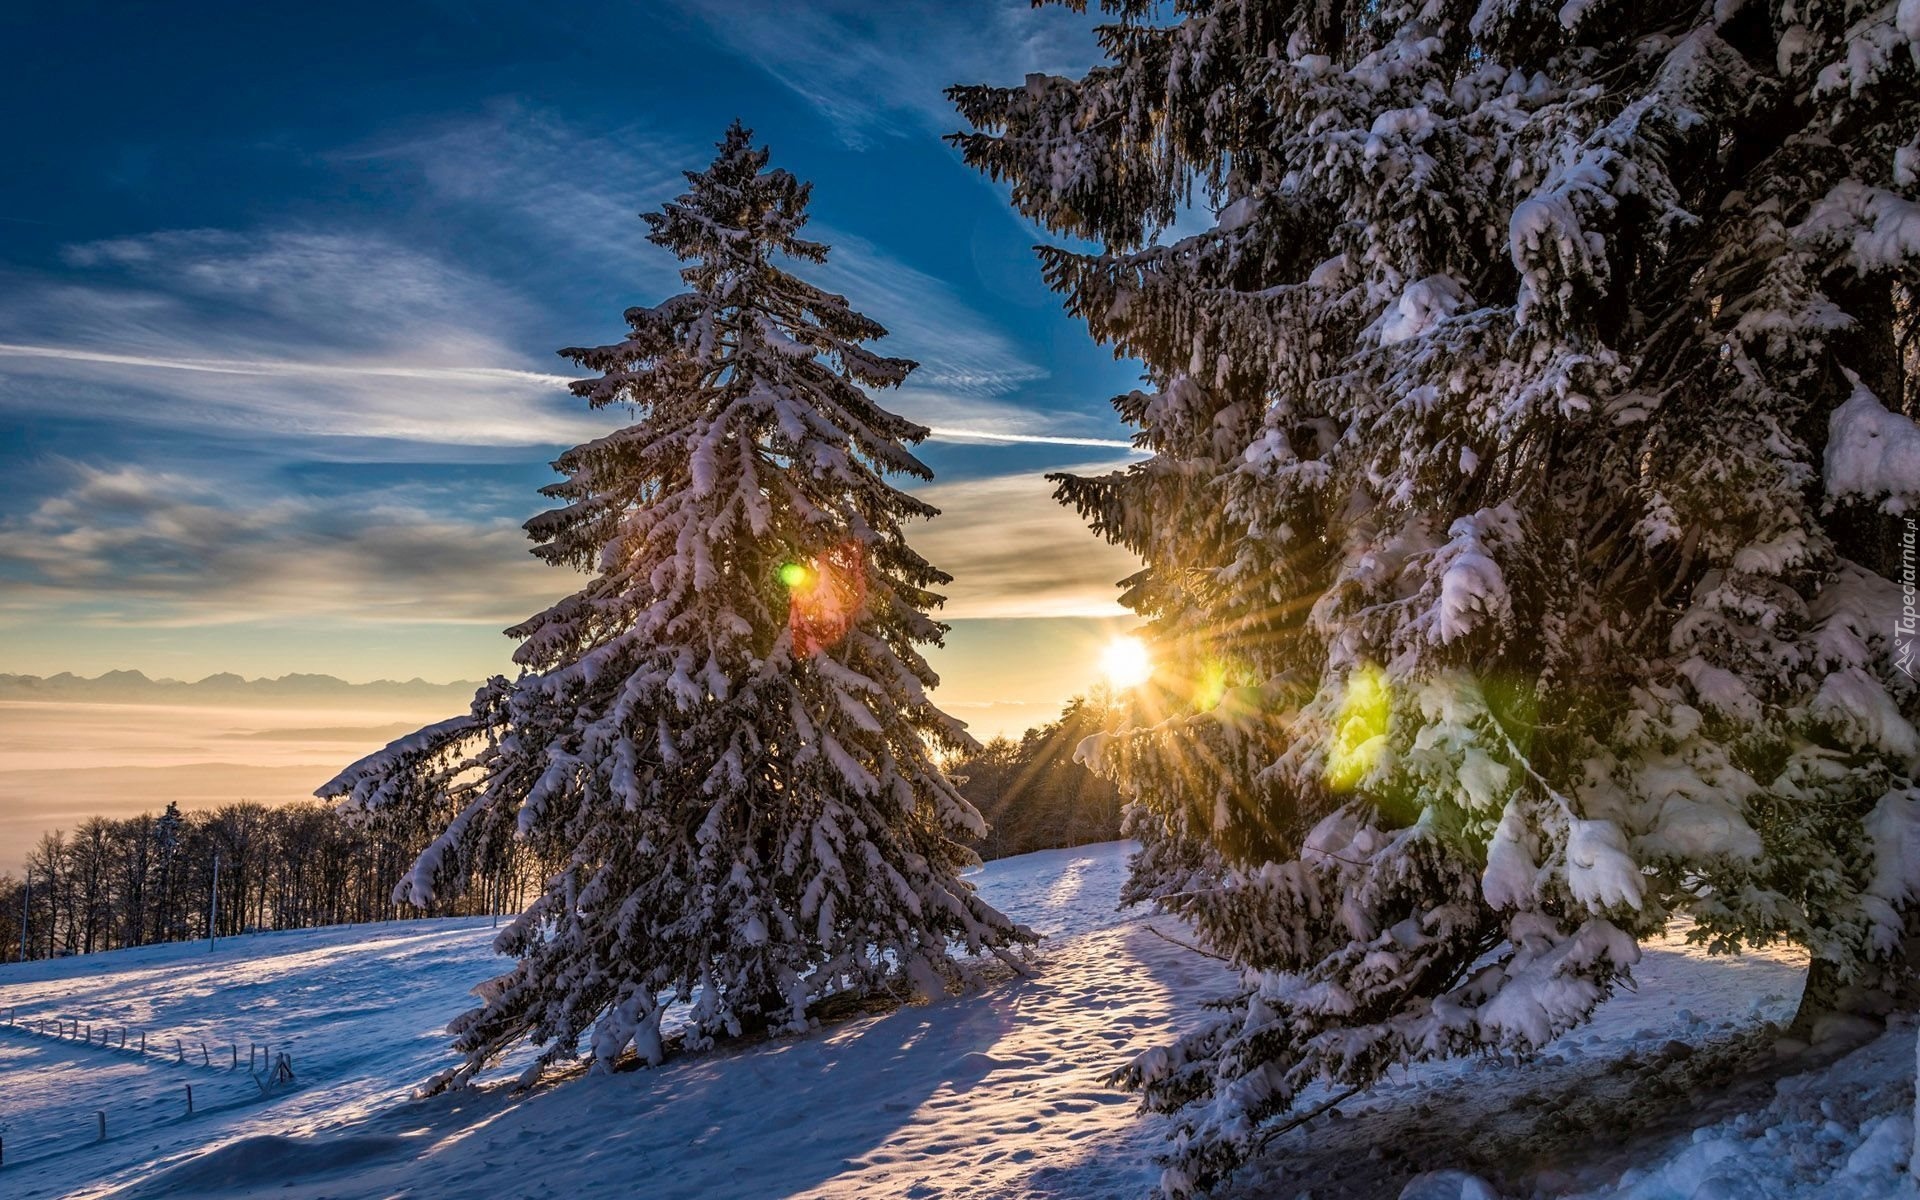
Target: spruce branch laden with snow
pixel 725 735
pixel 1529 435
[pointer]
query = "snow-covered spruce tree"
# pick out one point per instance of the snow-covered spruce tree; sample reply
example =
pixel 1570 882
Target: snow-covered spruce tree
pixel 1528 451
pixel 725 735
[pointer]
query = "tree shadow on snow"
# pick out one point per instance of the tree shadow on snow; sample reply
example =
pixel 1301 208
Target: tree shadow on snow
pixel 768 1118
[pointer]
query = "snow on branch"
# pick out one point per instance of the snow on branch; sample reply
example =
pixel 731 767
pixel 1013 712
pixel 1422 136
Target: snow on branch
pixel 1873 454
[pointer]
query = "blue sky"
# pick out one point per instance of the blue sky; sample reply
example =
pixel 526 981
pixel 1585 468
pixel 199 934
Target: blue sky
pixel 280 288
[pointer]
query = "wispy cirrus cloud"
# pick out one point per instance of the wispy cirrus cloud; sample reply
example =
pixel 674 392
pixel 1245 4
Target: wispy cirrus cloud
pixel 950 417
pixel 280 334
pixel 959 349
pixel 281 367
pixel 561 194
pixel 295 333
pixel 576 192
pixel 352 291
pixel 974 419
pixel 949 433
pixel 876 72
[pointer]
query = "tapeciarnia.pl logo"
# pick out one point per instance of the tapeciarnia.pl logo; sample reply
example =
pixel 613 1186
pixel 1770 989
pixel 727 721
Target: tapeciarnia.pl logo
pixel 1908 623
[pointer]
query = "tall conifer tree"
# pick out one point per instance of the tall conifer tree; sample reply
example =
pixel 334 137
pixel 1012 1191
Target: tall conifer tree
pixel 1530 433
pixel 726 733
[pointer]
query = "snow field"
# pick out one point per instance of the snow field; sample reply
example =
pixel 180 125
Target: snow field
pixel 991 1096
pixel 1002 1088
pixel 359 1010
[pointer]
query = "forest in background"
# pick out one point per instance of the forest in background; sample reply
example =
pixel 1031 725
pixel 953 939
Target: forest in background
pixel 111 883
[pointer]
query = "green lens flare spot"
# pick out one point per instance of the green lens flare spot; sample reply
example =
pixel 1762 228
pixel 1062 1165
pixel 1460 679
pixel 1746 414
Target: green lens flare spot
pixel 1210 687
pixel 793 574
pixel 1360 728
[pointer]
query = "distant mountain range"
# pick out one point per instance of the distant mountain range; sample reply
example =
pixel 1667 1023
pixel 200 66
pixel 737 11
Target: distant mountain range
pixel 133 687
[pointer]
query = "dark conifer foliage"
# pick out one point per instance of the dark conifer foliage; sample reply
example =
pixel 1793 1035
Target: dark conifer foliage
pixel 1530 432
pixel 1034 794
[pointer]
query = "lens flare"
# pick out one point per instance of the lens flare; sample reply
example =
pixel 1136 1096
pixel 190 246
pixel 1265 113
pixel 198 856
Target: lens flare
pixel 1360 728
pixel 1210 687
pixel 1126 663
pixel 825 597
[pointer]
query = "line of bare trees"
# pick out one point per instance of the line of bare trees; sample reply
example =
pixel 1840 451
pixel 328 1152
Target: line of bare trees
pixel 139 880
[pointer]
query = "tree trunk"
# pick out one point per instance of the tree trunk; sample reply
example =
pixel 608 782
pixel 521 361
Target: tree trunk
pixel 1818 997
pixel 1877 989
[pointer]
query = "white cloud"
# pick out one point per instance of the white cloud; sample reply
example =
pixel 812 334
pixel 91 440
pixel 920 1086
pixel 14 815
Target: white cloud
pixel 940 433
pixel 958 349
pixel 303 397
pixel 561 188
pixel 351 292
pixel 217 366
pixel 957 416
pixel 1014 552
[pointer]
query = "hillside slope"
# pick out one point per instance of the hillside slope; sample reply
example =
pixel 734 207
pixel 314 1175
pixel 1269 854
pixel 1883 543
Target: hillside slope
pixel 995 1095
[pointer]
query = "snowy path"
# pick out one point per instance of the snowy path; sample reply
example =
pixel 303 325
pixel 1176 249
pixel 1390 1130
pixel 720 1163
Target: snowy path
pixel 989 1097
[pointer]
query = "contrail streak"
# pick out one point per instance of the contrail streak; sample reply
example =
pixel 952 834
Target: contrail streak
pixel 291 368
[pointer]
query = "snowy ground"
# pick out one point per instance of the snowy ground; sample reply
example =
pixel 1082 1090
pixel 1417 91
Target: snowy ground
pixel 997 1095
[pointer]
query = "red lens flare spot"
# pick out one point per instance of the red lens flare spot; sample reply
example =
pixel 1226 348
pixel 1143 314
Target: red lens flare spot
pixel 825 597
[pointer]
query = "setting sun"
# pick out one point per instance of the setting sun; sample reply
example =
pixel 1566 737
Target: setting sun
pixel 1126 663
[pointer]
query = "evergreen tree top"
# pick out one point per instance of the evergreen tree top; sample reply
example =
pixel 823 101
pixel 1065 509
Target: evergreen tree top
pixel 745 314
pixel 755 444
pixel 736 215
